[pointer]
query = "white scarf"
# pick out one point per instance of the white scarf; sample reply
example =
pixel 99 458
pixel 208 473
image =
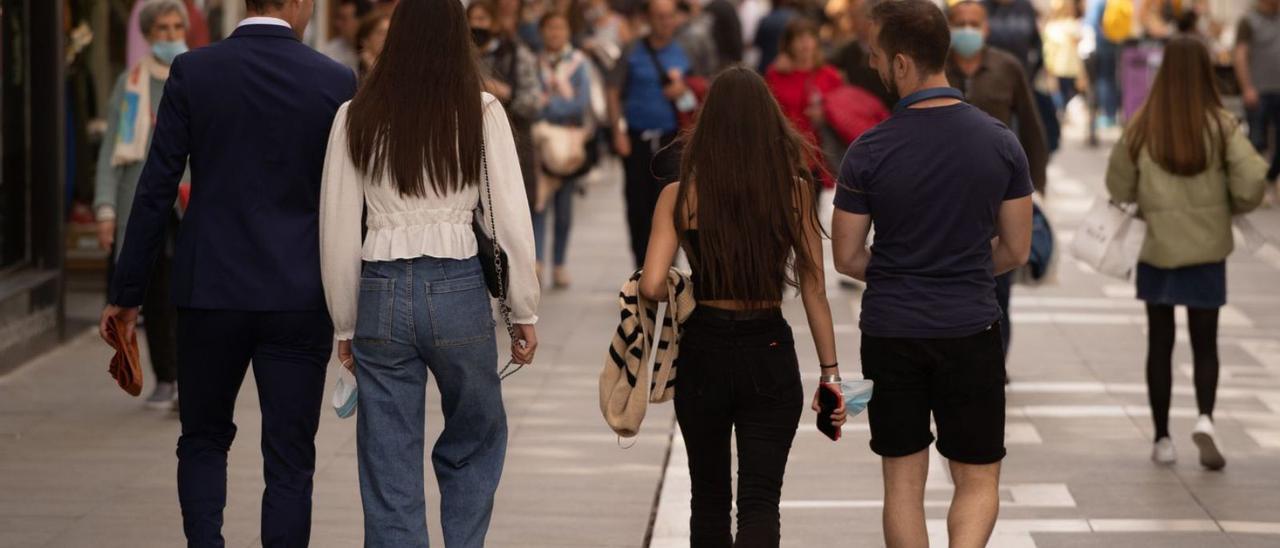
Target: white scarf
pixel 557 78
pixel 136 118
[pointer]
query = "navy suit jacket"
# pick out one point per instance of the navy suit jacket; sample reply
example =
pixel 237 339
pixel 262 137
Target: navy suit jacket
pixel 252 113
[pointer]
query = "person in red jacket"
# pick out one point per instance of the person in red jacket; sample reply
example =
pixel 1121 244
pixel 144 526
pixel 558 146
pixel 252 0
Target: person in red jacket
pixel 799 78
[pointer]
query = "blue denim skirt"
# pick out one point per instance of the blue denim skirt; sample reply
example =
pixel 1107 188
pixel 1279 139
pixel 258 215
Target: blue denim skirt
pixel 1197 286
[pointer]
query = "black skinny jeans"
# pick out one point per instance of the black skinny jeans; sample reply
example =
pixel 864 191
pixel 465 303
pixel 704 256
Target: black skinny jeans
pixel 1203 325
pixel 737 373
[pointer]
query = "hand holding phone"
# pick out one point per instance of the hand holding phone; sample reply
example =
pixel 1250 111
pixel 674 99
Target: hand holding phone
pixel 830 404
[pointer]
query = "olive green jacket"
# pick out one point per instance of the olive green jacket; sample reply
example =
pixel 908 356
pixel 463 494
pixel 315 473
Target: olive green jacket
pixel 1189 217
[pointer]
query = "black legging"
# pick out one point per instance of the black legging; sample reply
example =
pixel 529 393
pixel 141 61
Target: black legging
pixel 1203 325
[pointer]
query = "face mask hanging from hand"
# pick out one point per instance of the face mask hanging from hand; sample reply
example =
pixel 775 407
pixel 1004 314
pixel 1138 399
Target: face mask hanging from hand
pixel 857 394
pixel 167 51
pixel 967 41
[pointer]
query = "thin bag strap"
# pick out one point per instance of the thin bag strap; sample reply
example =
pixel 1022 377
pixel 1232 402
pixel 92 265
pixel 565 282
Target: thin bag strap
pixel 663 77
pixel 503 309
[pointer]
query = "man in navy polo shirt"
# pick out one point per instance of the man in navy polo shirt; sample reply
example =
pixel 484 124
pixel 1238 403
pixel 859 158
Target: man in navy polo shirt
pixel 948 190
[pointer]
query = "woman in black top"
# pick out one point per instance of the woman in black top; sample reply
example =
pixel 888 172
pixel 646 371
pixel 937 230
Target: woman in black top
pixel 744 215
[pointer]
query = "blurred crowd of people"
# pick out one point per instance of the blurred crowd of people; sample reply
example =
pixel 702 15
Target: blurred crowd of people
pixel 591 82
pixel 592 64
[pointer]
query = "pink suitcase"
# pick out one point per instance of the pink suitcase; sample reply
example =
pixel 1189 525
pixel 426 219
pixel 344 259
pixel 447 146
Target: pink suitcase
pixel 1138 65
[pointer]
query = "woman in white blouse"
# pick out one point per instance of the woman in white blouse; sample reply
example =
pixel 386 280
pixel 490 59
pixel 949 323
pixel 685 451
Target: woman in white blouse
pixel 415 151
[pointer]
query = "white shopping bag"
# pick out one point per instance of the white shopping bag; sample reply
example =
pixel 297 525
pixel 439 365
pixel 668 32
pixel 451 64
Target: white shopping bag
pixel 1248 236
pixel 1110 239
pixel 1255 241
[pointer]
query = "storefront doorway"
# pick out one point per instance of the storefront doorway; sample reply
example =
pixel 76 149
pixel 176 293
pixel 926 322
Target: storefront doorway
pixel 31 166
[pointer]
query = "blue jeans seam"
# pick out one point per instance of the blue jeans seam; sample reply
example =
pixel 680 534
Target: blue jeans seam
pixel 413 328
pixel 385 328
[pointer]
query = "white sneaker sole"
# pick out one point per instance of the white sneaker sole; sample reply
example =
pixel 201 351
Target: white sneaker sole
pixel 1210 456
pixel 160 405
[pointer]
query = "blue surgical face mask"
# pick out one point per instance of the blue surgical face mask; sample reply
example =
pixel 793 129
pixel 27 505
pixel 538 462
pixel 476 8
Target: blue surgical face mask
pixel 167 51
pixel 966 41
pixel 345 395
pixel 857 394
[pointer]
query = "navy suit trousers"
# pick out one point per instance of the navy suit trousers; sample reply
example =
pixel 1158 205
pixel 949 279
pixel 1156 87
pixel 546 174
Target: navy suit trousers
pixel 289 352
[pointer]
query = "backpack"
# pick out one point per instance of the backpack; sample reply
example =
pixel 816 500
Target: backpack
pixel 1117 20
pixel 851 110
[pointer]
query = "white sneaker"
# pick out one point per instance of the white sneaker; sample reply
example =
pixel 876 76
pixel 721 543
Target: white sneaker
pixel 1206 441
pixel 1163 452
pixel 164 396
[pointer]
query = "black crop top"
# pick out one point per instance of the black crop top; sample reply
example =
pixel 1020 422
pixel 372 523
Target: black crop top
pixel 701 283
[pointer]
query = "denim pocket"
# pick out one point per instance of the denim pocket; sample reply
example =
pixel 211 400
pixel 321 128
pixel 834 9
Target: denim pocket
pixel 375 309
pixel 460 313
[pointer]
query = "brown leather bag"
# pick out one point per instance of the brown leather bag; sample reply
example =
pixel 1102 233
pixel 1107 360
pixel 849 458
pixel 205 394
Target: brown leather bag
pixel 126 367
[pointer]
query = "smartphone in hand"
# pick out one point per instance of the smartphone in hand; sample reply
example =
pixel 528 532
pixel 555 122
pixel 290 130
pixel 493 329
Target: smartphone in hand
pixel 828 401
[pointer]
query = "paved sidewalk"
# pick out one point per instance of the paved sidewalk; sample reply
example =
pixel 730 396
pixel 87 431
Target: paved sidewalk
pixel 82 464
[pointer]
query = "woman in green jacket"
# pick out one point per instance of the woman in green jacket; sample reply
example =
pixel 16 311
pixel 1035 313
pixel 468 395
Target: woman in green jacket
pixel 130 119
pixel 1187 189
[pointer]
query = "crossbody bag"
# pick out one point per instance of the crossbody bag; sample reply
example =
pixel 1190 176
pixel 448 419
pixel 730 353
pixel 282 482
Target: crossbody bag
pixel 493 259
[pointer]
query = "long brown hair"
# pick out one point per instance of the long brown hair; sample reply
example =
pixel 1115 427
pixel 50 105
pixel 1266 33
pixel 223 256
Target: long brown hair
pixel 417 119
pixel 747 169
pixel 1182 108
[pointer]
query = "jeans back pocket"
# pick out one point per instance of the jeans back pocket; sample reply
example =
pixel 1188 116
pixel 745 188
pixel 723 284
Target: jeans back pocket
pixel 775 370
pixel 376 309
pixel 460 313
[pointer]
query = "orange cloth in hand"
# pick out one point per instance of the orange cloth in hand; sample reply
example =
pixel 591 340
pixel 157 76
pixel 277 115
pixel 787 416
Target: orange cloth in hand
pixel 126 367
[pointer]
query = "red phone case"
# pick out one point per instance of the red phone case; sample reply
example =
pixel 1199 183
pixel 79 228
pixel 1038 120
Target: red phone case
pixel 828 401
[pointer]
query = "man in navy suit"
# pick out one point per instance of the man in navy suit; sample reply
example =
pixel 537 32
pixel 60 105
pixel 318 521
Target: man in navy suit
pixel 252 115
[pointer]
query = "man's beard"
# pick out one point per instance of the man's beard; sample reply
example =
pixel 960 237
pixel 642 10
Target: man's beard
pixel 890 86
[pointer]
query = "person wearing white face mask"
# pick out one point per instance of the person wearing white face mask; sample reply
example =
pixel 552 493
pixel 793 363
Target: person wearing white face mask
pixel 130 119
pixel 995 82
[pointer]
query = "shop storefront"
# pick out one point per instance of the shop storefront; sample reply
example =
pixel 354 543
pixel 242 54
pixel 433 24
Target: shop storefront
pixel 59 60
pixel 32 128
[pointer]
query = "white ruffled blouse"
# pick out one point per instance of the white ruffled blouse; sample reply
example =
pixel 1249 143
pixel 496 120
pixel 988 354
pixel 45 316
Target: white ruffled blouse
pixel 401 227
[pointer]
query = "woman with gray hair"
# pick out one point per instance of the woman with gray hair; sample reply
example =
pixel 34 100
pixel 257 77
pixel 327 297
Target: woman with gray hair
pixel 130 119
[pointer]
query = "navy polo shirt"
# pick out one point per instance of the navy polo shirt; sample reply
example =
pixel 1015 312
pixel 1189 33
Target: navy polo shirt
pixel 933 181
